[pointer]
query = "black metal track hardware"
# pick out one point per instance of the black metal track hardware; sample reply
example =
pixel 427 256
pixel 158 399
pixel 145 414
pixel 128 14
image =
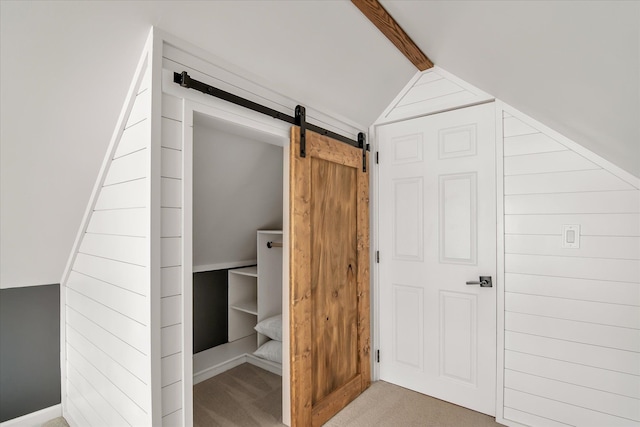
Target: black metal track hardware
pixel 185 81
pixel 301 120
pixel 362 143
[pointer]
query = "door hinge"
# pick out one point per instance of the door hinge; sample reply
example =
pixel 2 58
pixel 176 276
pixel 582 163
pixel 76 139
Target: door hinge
pixel 377 157
pixel 378 356
pixel 378 257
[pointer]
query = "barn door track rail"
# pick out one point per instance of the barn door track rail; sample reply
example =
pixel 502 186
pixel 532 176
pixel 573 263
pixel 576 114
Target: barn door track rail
pixel 300 118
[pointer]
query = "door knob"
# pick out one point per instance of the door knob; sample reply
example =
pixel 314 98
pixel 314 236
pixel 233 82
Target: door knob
pixel 485 282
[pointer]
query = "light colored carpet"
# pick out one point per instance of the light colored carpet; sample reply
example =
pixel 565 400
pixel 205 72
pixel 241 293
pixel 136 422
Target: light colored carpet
pixel 385 404
pixel 56 422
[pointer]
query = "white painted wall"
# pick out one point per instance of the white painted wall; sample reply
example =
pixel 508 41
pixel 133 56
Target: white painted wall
pixel 237 190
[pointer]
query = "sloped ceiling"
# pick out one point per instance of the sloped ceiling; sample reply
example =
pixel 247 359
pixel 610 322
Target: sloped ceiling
pixel 572 65
pixel 65 68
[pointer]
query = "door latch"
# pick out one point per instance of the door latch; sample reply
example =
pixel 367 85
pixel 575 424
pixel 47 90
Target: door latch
pixel 485 282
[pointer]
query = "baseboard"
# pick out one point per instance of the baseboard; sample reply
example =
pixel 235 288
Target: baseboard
pixel 211 372
pixel 35 419
pixel 267 365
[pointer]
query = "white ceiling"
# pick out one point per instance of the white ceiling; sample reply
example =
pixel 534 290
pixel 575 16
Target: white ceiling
pixel 65 68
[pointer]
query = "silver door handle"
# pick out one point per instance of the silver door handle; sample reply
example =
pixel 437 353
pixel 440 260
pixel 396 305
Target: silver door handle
pixel 485 282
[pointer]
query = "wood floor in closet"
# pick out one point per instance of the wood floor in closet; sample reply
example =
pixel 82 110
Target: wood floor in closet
pixel 243 396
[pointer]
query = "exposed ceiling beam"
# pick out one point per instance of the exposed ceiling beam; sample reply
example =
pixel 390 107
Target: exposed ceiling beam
pixel 377 14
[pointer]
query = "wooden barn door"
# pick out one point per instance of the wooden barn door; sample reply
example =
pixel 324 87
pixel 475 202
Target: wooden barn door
pixel 329 278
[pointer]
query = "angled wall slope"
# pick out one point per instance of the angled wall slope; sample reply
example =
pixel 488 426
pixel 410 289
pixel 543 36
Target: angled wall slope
pixel 105 301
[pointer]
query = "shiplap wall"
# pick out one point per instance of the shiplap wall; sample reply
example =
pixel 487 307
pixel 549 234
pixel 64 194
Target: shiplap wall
pixel 171 264
pixel 107 369
pixel 431 91
pixel 572 316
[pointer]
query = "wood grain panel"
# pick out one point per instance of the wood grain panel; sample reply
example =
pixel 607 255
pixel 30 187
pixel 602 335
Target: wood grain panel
pixel 515 127
pixel 546 162
pixel 132 305
pixel 133 250
pixel 585 354
pixel 579 289
pixel 329 278
pixel 377 14
pixel 126 407
pixel 134 139
pixel 577 331
pixel 597 400
pixel 123 222
pixel 564 182
pixel 561 412
pixel 333 276
pixel 619 247
pixel 531 144
pixel 615 202
pixel 127 195
pixel 127 276
pixel 171 133
pixel 590 224
pixel 130 385
pixel 124 354
pixel 572 373
pixel 128 330
pixel 616 270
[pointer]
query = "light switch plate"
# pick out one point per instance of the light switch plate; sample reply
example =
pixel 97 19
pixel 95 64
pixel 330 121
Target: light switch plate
pixel 571 236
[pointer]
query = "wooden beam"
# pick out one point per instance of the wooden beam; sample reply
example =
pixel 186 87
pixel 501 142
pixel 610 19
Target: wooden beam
pixel 377 14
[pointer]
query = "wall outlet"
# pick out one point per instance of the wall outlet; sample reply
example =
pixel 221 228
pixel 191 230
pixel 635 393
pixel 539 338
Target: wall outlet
pixel 571 236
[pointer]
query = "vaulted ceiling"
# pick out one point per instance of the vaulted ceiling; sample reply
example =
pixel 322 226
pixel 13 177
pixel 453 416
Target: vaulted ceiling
pixel 66 67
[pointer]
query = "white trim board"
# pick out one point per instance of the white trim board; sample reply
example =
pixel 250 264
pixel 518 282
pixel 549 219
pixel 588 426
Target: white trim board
pixel 223 265
pixel 35 419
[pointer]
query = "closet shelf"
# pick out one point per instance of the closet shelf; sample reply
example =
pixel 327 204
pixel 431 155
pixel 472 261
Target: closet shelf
pixel 250 307
pixel 246 271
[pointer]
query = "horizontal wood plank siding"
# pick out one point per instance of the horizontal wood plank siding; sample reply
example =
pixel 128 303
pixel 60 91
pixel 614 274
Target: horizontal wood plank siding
pixel 171 261
pixel 572 316
pixel 106 306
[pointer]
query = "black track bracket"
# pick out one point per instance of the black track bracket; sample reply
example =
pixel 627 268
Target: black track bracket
pixel 362 144
pixel 301 121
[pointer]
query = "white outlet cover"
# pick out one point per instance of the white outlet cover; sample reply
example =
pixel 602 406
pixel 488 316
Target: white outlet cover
pixel 571 236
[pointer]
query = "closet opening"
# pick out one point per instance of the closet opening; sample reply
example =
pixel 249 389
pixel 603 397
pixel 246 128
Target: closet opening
pixel 239 215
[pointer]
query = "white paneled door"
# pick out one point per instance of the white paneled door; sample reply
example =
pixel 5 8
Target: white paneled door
pixel 437 207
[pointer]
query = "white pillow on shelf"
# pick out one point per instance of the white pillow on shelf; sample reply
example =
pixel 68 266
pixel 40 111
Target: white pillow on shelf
pixel 271 350
pixel 271 327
